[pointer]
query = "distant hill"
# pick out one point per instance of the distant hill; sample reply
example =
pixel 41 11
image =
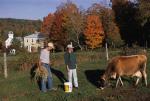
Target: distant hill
pixel 20 27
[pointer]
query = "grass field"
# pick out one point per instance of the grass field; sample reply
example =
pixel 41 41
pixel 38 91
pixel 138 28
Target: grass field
pixel 19 87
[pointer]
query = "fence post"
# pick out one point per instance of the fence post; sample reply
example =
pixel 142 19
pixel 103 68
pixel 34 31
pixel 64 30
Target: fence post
pixel 107 57
pixel 5 65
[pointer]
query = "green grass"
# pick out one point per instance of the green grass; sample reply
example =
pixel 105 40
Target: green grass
pixel 19 87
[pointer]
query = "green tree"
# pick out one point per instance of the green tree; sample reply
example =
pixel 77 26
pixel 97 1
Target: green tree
pixel 111 29
pixel 125 17
pixel 143 16
pixel 16 44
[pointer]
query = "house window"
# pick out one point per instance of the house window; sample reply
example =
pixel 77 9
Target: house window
pixel 27 40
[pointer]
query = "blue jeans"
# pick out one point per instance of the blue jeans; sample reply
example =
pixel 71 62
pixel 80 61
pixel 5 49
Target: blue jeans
pixel 47 84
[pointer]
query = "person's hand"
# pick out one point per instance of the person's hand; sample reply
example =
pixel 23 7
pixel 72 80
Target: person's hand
pixel 76 66
pixel 39 64
pixel 50 63
pixel 67 68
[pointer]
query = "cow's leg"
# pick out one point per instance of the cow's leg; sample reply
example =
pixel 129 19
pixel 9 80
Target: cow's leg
pixel 119 79
pixel 138 74
pixel 144 74
pixel 117 82
pixel 145 77
pixel 137 81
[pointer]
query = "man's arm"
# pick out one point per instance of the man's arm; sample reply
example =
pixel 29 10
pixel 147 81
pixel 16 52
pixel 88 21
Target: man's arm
pixel 67 67
pixel 66 61
pixel 75 61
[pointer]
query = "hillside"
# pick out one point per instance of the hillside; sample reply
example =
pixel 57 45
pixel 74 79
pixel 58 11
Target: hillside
pixel 20 27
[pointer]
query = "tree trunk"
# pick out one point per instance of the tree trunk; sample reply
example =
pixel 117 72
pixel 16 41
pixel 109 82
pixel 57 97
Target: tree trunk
pixel 79 42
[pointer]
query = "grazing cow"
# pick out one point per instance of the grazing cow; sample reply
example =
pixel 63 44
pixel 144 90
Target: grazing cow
pixel 134 65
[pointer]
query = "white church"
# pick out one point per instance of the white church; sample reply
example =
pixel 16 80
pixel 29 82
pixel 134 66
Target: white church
pixel 8 42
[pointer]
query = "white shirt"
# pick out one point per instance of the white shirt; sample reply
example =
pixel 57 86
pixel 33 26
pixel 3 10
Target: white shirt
pixel 44 56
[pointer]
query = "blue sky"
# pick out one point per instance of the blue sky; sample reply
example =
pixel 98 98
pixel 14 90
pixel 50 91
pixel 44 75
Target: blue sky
pixel 36 9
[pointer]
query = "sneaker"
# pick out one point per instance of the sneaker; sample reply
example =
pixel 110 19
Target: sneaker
pixel 53 89
pixel 44 91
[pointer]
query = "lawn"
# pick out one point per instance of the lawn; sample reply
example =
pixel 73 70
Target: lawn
pixel 19 87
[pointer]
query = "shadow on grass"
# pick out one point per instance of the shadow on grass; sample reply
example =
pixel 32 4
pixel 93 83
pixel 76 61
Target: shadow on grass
pixel 32 71
pixel 60 76
pixel 93 76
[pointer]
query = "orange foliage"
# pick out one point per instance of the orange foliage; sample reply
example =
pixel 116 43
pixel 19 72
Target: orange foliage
pixel 94 32
pixel 47 23
pixel 58 34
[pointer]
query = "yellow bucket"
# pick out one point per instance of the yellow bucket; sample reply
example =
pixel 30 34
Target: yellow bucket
pixel 68 87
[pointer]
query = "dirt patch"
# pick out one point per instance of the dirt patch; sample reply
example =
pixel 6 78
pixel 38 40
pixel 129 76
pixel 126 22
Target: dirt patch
pixel 124 94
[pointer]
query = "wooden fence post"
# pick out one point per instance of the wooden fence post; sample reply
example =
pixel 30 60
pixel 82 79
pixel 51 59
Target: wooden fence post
pixel 5 65
pixel 107 57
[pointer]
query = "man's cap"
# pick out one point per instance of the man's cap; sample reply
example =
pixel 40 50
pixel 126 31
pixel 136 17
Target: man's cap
pixel 70 46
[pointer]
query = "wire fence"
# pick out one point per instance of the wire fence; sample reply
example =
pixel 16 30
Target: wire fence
pixel 24 61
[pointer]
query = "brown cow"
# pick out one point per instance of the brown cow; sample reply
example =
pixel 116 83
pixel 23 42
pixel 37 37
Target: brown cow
pixel 134 65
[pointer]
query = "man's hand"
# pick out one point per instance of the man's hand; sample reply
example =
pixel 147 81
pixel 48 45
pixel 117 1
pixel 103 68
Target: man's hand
pixel 76 66
pixel 67 68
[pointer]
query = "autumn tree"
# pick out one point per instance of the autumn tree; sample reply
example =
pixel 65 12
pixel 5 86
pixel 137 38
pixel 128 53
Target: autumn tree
pixel 116 2
pixel 47 24
pixel 94 32
pixel 74 23
pixel 57 33
pixel 107 16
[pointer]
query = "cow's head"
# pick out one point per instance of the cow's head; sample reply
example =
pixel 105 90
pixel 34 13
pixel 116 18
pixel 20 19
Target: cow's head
pixel 102 82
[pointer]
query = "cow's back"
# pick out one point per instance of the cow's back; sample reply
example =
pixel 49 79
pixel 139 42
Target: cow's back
pixel 127 65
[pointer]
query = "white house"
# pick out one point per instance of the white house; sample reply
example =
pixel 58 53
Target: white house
pixel 34 41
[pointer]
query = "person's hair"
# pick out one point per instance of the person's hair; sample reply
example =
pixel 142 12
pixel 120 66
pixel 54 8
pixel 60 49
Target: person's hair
pixel 45 44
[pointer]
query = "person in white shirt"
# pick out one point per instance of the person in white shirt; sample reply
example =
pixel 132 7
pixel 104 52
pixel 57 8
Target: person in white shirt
pixel 45 62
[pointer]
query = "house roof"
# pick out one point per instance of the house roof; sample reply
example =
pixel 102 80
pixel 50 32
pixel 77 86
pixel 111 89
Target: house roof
pixel 35 35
